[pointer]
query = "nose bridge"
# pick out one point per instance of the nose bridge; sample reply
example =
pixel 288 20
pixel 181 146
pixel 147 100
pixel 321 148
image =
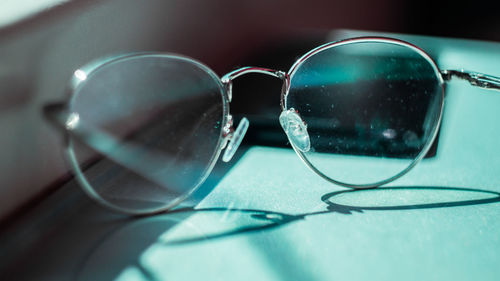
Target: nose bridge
pixel 227 79
pixel 235 136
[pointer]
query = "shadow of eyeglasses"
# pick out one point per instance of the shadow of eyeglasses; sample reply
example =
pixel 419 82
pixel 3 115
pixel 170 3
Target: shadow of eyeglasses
pixel 335 206
pixel 230 222
pixel 268 219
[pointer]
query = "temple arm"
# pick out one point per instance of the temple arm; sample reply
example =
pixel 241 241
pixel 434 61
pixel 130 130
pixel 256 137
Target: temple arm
pixel 474 78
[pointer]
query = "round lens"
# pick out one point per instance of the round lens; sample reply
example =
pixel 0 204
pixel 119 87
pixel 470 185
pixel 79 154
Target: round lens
pixel 371 106
pixel 146 130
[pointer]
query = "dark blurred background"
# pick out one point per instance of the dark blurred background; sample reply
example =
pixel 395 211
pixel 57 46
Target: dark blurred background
pixel 42 43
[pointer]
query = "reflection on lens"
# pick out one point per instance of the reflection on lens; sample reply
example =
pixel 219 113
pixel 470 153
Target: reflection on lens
pixel 372 107
pixel 148 130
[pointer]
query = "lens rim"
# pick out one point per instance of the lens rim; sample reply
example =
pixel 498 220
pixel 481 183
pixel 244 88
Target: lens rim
pixel 387 40
pixel 78 81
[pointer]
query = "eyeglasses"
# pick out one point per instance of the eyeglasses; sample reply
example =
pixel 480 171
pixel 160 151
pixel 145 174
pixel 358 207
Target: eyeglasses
pixel 145 130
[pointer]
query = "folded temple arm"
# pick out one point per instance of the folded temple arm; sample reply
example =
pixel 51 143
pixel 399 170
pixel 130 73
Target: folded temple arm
pixel 474 78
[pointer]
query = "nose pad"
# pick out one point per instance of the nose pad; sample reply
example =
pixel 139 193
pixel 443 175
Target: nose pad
pixel 296 129
pixel 235 141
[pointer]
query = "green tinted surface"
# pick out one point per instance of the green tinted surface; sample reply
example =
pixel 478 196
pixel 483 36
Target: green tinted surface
pixel 279 221
pixel 441 223
pixel 270 218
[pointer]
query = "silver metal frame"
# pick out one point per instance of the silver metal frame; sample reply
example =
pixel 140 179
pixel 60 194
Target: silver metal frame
pixel 59 115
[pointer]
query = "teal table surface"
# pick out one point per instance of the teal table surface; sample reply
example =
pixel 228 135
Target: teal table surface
pixel 267 217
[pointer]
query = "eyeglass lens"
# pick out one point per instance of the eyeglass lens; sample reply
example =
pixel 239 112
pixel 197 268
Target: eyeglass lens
pixel 371 109
pixel 155 130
